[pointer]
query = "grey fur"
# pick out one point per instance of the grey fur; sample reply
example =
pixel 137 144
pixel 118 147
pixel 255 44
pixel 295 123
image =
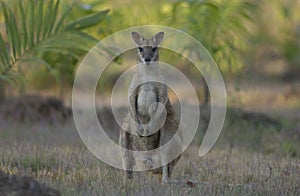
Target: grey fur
pixel 143 109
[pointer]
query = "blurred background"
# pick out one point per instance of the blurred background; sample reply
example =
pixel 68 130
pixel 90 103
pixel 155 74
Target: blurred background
pixel 255 44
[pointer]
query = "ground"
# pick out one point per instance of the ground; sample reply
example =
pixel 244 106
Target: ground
pixel 255 155
pixel 18 185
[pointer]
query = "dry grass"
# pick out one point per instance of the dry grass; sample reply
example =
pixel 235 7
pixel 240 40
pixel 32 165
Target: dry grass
pixel 267 96
pixel 57 157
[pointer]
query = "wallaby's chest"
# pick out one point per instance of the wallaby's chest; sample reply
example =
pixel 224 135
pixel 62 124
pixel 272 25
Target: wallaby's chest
pixel 146 97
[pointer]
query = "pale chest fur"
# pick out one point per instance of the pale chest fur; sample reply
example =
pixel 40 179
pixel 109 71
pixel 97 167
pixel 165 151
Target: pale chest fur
pixel 147 89
pixel 146 97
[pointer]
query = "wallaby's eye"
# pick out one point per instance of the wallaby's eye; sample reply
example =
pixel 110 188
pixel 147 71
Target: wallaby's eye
pixel 140 49
pixel 154 49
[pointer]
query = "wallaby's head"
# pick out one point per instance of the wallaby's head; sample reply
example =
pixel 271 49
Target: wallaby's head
pixel 147 48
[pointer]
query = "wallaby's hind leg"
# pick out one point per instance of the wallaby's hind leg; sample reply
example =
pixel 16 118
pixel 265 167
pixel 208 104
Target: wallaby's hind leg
pixel 127 157
pixel 164 159
pixel 165 174
pixel 174 148
pixel 172 165
pixel 168 168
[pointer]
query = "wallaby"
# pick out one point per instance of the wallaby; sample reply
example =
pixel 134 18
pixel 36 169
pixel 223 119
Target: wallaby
pixel 143 129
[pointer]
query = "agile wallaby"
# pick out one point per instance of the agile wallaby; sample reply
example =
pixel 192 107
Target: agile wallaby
pixel 143 129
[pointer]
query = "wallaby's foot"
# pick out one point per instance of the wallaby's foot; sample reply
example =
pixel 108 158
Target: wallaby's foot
pixel 165 175
pixel 128 176
pixel 165 181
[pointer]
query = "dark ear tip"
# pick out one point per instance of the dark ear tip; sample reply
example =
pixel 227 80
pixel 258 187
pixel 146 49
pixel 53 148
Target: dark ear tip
pixel 161 33
pixel 136 33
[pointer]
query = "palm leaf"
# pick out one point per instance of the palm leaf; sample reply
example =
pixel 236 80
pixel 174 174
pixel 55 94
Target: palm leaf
pixel 9 30
pixel 39 32
pixel 15 35
pixel 53 18
pixel 39 20
pixel 23 28
pixel 87 21
pixel 59 24
pixel 5 58
pixel 30 22
pixel 47 18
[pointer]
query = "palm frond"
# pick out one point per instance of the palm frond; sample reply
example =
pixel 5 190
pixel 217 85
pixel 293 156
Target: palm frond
pixel 35 30
pixel 87 21
pixel 5 58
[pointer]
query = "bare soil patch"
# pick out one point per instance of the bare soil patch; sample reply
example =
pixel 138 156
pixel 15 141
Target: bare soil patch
pixel 34 109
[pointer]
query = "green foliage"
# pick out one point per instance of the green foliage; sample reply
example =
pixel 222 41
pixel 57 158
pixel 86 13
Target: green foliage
pixel 87 21
pixel 277 29
pixel 290 44
pixel 129 13
pixel 221 26
pixel 34 28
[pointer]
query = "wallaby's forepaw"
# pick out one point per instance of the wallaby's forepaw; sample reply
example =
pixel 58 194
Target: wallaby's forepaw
pixel 149 130
pixel 146 131
pixel 148 162
pixel 140 130
pixel 143 131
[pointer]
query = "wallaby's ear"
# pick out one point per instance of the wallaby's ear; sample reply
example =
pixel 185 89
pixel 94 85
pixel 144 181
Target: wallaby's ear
pixel 158 38
pixel 137 38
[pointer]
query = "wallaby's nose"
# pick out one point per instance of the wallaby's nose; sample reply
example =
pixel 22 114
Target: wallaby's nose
pixel 147 60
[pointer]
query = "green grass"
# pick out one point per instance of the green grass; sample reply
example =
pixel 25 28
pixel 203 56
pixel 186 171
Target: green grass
pixel 241 163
